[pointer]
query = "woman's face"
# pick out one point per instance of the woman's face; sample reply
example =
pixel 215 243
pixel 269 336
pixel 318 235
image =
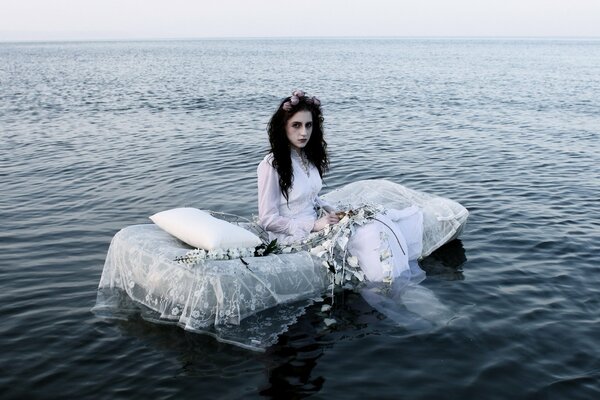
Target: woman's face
pixel 299 128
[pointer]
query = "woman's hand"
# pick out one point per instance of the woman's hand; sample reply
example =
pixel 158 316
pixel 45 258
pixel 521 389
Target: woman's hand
pixel 327 219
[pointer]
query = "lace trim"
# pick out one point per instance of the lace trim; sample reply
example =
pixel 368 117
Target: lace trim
pixel 304 163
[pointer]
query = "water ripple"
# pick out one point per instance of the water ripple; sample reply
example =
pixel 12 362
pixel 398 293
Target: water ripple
pixel 98 136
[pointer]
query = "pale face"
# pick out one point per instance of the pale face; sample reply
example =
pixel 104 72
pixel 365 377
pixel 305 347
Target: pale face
pixel 299 128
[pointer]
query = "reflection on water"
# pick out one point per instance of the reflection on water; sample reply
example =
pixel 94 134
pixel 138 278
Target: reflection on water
pixel 290 362
pixel 415 308
pixel 446 262
pixel 287 368
pixel 412 306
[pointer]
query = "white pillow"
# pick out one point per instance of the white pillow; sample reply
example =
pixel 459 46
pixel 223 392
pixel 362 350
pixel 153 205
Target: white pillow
pixel 200 229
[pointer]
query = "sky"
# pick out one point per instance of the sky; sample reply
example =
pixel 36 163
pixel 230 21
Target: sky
pixel 41 20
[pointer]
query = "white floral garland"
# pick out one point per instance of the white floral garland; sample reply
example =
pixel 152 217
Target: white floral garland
pixel 195 256
pixel 330 245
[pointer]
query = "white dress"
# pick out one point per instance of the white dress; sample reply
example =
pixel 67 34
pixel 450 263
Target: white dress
pixel 396 233
pixel 290 220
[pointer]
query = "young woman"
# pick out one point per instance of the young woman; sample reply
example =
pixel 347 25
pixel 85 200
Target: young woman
pixel 289 206
pixel 289 177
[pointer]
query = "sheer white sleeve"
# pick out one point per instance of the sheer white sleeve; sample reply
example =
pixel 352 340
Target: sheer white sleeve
pixel 269 198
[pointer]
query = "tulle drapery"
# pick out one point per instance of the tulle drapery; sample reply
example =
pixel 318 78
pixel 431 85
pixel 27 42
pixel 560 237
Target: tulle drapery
pixel 249 303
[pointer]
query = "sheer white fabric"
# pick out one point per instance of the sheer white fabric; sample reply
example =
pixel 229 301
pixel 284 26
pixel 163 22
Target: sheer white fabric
pixel 399 230
pixel 396 234
pixel 248 306
pixel 415 217
pixel 289 220
pixel 443 219
pixel 215 297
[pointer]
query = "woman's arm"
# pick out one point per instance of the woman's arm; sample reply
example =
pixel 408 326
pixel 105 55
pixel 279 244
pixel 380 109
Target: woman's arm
pixel 268 206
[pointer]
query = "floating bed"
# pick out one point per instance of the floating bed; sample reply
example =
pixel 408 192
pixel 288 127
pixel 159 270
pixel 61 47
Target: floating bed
pixel 247 302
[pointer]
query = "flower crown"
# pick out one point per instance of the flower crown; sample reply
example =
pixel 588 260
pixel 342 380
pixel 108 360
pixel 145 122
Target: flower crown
pixel 298 95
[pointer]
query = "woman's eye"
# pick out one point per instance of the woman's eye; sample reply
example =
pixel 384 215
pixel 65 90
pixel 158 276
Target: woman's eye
pixel 309 125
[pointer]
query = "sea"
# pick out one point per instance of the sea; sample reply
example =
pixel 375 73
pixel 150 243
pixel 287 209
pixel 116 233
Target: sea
pixel 97 136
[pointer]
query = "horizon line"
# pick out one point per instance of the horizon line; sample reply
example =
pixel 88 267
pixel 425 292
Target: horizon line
pixel 173 39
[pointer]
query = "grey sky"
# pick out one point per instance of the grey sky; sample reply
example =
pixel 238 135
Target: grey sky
pixel 151 19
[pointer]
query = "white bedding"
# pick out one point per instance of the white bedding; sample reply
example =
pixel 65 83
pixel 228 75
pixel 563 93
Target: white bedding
pixel 246 305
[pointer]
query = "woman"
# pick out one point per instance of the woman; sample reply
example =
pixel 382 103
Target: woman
pixel 289 177
pixel 289 181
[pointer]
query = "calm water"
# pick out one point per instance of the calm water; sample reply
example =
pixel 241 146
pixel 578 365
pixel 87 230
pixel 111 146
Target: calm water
pixel 98 136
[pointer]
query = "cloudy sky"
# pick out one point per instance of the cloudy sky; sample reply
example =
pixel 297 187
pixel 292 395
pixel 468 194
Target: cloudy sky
pixel 169 19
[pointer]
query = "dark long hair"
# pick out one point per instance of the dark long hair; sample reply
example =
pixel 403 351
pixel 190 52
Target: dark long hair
pixel 315 149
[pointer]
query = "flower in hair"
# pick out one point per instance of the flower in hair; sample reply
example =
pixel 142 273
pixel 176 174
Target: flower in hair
pixel 313 100
pixel 298 95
